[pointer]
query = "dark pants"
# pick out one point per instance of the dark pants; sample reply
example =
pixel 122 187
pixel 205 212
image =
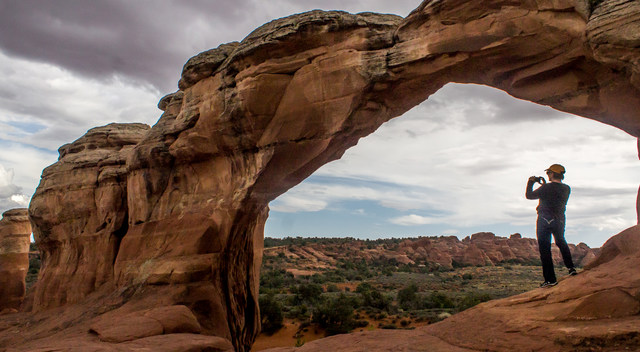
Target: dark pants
pixel 544 229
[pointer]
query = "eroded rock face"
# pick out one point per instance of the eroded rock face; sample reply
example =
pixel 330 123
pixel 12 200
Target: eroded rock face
pixel 15 234
pixel 253 119
pixel 234 140
pixel 79 213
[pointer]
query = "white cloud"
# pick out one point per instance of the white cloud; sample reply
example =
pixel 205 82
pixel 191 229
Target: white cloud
pixel 293 204
pixel 412 220
pixel 46 106
pixel 10 194
pixel 21 199
pixel 476 175
pixel 6 177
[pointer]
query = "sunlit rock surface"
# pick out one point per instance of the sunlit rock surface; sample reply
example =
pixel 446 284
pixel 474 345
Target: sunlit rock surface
pixel 137 219
pixel 79 213
pixel 15 233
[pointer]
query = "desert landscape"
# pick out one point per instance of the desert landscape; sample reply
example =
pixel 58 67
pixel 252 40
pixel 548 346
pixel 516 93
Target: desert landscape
pixel 391 284
pixel 152 237
pixel 312 288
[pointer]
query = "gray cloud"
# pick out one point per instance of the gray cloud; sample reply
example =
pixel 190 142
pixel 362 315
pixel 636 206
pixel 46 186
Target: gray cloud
pixel 102 38
pixel 7 191
pixel 144 40
pixel 483 106
pixel 10 194
pixel 602 192
pixel 8 204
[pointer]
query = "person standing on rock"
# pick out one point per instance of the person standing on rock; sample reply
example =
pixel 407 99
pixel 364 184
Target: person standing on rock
pixel 553 198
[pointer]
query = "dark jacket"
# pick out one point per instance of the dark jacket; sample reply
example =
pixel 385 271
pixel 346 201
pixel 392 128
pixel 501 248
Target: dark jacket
pixel 553 198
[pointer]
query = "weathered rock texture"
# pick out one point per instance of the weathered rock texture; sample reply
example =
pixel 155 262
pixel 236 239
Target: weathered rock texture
pixel 479 249
pixel 253 119
pixel 79 213
pixel 15 237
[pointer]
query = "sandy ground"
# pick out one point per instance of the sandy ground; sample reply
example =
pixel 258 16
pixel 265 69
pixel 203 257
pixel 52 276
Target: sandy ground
pixel 289 335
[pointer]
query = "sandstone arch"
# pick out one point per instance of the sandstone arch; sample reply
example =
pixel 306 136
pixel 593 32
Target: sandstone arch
pixel 254 118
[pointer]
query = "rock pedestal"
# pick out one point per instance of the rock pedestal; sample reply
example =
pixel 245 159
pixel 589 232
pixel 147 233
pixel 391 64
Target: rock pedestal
pixel 15 237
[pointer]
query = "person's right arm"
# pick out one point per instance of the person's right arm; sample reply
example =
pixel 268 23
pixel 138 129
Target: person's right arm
pixel 530 193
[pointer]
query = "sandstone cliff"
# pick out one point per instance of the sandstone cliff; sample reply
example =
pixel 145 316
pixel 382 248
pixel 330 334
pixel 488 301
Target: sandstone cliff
pixel 15 233
pixel 79 213
pixel 174 215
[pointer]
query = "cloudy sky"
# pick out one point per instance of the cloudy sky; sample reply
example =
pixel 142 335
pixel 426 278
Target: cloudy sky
pixel 455 165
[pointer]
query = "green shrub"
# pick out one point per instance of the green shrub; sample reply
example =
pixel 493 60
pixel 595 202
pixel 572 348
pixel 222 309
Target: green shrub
pixel 276 279
pixel 335 315
pixel 471 299
pixel 332 288
pixel 437 300
pixel 309 293
pixel 371 297
pixel 271 315
pixel 300 312
pixel 408 297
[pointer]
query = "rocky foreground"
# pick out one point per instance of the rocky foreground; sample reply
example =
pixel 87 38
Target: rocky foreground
pixel 145 231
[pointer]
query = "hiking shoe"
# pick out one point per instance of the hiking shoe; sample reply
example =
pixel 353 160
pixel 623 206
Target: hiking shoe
pixel 573 272
pixel 548 284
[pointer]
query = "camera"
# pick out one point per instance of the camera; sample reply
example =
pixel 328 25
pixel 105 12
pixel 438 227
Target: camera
pixel 541 180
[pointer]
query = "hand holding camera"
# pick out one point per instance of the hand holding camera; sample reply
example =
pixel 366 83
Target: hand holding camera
pixel 538 179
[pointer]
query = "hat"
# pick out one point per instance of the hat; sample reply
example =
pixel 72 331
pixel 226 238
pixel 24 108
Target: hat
pixel 557 168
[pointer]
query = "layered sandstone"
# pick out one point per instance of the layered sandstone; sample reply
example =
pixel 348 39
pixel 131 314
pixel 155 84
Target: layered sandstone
pixel 79 213
pixel 229 142
pixel 296 93
pixel 15 238
pixel 175 214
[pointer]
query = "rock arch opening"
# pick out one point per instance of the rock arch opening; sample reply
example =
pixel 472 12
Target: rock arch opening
pixel 456 165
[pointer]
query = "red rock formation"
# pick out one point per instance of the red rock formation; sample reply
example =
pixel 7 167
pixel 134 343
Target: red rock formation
pixel 432 252
pixel 79 213
pixel 255 118
pixel 151 322
pixel 15 234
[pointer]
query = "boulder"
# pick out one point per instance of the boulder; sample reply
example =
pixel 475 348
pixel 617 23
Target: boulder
pixel 156 321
